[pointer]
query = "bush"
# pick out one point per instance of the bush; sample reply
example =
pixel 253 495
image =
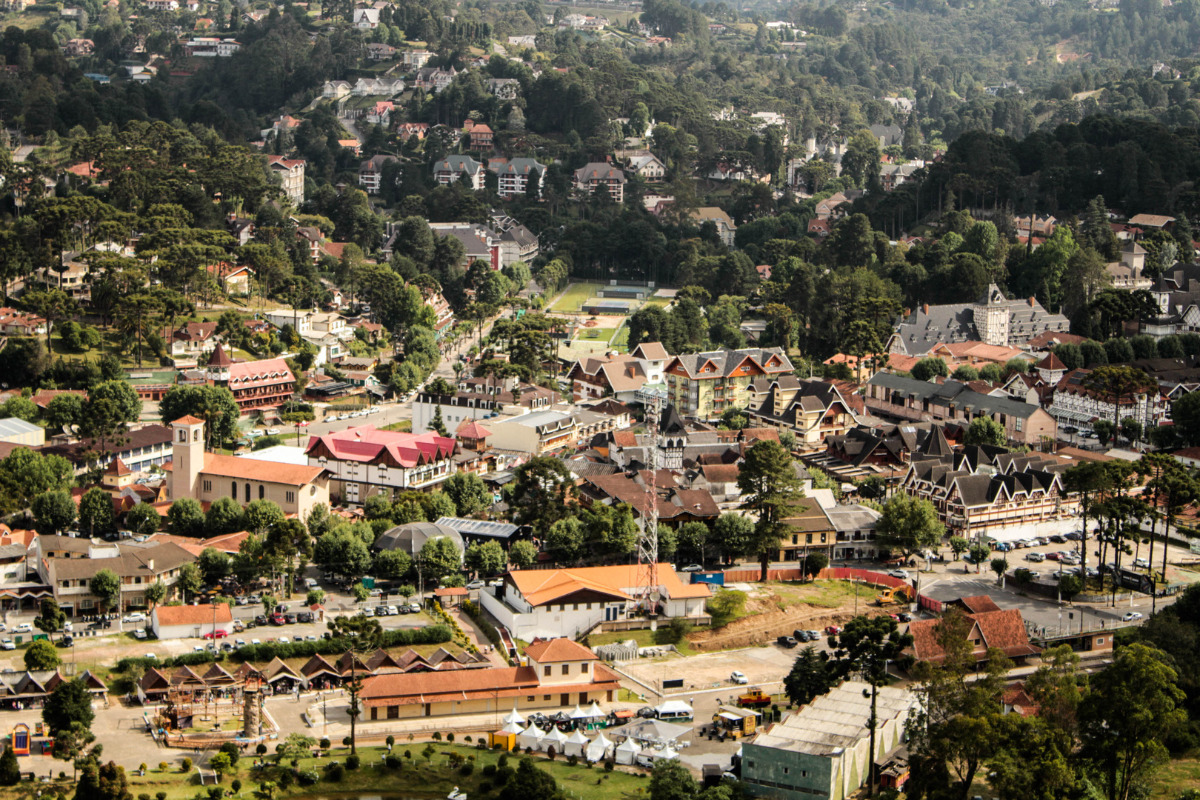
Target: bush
pixel 502 761
pixel 261 749
pixel 392 762
pixel 437 736
pixel 186 766
pixel 143 796
pixel 232 750
pixel 286 776
pixel 325 743
pixel 572 760
pixel 485 786
pixel 163 795
pixel 608 765
pixel 489 770
pixel 353 761
pixel 466 769
pixel 335 773
pixel 450 737
pixel 236 786
pixel 389 741
pixel 163 766
pixel 308 777
pixel 214 793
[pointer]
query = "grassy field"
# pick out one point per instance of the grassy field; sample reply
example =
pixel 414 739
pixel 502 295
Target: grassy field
pixel 417 777
pixel 822 594
pixel 596 335
pixel 644 638
pixel 1175 776
pixel 658 302
pixel 621 340
pixel 573 298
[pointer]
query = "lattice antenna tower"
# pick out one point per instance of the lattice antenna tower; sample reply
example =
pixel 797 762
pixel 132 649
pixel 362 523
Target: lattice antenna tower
pixel 648 540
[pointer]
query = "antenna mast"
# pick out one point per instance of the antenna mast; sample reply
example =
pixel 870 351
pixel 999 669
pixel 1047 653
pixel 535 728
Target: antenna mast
pixel 648 540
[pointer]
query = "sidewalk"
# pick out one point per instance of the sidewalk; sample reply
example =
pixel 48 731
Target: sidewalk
pixel 476 635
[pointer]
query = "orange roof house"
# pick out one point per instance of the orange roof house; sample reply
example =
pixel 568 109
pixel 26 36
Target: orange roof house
pixel 566 602
pixel 1003 630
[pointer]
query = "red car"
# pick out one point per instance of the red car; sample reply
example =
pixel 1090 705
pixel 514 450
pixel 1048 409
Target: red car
pixel 833 630
pixel 1053 556
pixel 215 635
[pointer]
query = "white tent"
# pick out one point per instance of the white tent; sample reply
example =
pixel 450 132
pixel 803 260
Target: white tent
pixel 579 713
pixel 575 744
pixel 530 738
pixel 674 709
pixel 513 717
pixel 512 727
pixel 555 738
pixel 627 751
pixel 595 712
pixel 598 748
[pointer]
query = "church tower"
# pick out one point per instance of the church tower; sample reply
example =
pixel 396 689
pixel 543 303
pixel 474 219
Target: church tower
pixel 187 459
pixel 218 366
pixel 991 315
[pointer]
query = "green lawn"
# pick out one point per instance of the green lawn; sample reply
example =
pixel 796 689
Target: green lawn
pixel 596 334
pixel 417 777
pixel 823 594
pixel 644 637
pixel 658 302
pixel 573 298
pixel 621 340
pixel 403 426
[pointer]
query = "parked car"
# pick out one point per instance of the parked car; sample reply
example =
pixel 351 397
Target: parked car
pixel 239 642
pixel 1036 558
pixel 381 611
pixel 261 619
pixel 1073 536
pixel 692 568
pixel 24 627
pixel 1058 538
pixel 66 641
pixel 1003 547
pixel 304 616
pixel 393 610
pixel 814 636
pixel 1130 616
pixel 217 634
pixel 899 573
pixel 1053 556
pixel 277 619
pixel 833 630
pixel 736 676
pixel 289 619
pixel 475 585
pixel 414 608
pixel 140 633
pixel 368 612
pixel 801 635
pixel 1141 562
pixel 786 641
pixel 136 616
pixel 904 616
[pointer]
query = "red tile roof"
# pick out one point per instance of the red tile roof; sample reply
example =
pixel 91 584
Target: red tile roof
pixel 193 615
pixel 544 650
pixel 1004 630
pixel 368 444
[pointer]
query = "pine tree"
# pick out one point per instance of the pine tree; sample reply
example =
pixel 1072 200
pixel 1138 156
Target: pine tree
pixel 437 423
pixel 10 770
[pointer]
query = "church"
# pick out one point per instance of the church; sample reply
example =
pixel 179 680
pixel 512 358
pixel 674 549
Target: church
pixel 205 476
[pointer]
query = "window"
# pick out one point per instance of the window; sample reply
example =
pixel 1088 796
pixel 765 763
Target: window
pixel 584 667
pixel 808 538
pixel 247 491
pixel 233 491
pixel 566 669
pixel 530 698
pixel 183 437
pixel 207 485
pixel 546 670
pixel 290 497
pixel 262 491
pixel 545 697
pixel 575 607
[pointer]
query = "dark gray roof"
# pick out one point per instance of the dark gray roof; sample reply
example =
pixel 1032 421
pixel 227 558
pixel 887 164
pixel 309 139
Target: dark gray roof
pixel 929 326
pixel 953 391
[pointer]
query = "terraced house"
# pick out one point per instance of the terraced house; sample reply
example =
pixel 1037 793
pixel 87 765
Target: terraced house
pixel 705 385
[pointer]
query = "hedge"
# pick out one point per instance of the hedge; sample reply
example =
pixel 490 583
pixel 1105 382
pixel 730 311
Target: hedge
pixel 430 634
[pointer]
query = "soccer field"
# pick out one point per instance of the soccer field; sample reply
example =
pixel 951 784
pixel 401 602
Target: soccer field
pixel 570 301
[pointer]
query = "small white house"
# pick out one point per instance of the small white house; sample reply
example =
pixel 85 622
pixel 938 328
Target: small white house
pixel 182 622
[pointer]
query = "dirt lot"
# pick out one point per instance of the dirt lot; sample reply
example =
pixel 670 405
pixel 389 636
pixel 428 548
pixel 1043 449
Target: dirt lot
pixel 762 665
pixel 778 609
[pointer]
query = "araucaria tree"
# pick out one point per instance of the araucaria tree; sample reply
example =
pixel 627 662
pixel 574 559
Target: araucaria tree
pixel 772 491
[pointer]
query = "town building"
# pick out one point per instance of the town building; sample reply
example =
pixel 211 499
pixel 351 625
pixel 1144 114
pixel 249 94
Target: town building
pixel 811 409
pixel 991 627
pixel 139 449
pixel 370 172
pixel 620 375
pixel 823 750
pixel 478 399
pixel 513 176
pixel 993 319
pixel 898 397
pixel 211 47
pixel 183 622
pixel 191 340
pixel 14 430
pixel 720 220
pixel 1129 273
pixel 705 385
pixel 571 602
pixel 256 385
pixel 598 174
pixel 290 172
pixel 559 674
pixel 67 565
pixel 455 168
pixel 1077 405
pixel 204 476
pixel 364 460
pixel 855 527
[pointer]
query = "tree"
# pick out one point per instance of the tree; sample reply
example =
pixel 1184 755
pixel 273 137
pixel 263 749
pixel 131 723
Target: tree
pixel 106 586
pixel 341 552
pixel 670 780
pixel 214 565
pixel 54 512
pixel 732 534
pixel 392 564
pixel 770 488
pixel 978 554
pixel 361 635
pixel 909 524
pixel 224 516
pixel 439 557
pixel 726 605
pixel 96 511
pixel 864 648
pixel 262 516
pixel 999 566
pixel 69 704
pixel 10 770
pixel 315 597
pixel 437 424
pixel 63 410
pixel 51 617
pixel 156 593
pixel 144 519
pixel 468 492
pixel 959 545
pixel 810 677
pixel 522 554
pixel 928 368
pixel 985 430
pixel 486 559
pixel 186 517
pixel 540 493
pixel 213 404
pixel 41 655
pixel 190 580
pixel 1132 706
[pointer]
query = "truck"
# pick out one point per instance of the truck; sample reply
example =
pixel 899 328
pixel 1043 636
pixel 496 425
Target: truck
pixel 735 722
pixel 754 698
pixel 893 595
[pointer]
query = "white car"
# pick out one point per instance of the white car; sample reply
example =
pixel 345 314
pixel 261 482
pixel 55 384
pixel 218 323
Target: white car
pixel 7 644
pixel 24 627
pixel 368 612
pixel 414 608
pixel 136 616
pixel 150 655
pixel 284 639
pixel 140 633
pixel 739 678
pixel 1141 562
pixel 67 627
pixel 312 637
pixel 1130 616
pixel 239 642
pixel 198 648
pixel 255 641
pixel 272 431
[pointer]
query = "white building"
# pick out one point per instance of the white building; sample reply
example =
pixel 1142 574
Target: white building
pixel 184 622
pixel 568 602
pixel 363 461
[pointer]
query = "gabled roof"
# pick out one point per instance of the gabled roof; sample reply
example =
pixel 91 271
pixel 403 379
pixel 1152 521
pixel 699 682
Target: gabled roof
pixel 539 587
pixel 1004 630
pixel 368 444
pixel 548 650
pixel 1051 362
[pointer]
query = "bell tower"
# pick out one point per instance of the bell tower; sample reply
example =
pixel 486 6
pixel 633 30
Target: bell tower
pixel 187 457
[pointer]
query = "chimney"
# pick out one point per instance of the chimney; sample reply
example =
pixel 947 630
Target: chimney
pixel 1032 302
pixel 925 308
pixel 150 564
